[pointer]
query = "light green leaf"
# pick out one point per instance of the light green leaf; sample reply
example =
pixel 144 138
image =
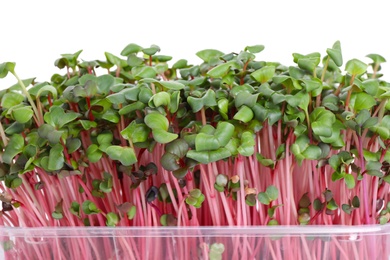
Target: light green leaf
pixel 362 100
pixel 5 68
pixel 156 121
pixel 264 74
pixel 222 69
pixel 22 114
pixel 244 114
pixel 125 155
pixel 209 54
pixel 11 99
pixel 255 48
pixel 355 67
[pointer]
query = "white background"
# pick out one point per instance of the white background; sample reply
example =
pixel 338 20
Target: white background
pixel 34 33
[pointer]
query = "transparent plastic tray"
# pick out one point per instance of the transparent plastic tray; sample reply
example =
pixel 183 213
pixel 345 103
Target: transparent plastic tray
pixel 280 242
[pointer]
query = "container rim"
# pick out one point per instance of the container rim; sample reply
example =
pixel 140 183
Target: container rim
pixel 209 231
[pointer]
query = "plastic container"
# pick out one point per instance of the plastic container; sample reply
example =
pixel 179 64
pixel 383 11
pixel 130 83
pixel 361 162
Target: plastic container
pixel 279 242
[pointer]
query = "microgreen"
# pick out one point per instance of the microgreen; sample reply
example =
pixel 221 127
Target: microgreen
pixel 233 140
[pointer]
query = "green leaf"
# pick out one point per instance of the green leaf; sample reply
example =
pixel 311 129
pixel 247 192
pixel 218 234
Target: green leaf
pixel 244 114
pixel 133 60
pixel 209 54
pixel 131 212
pixel 160 99
pixel 73 144
pixel 264 161
pixel 144 72
pixel 125 155
pixel 376 58
pixel 264 74
pixel 335 53
pixel 5 68
pixel 322 121
pixel 86 124
pixel 309 62
pixel 131 108
pixel 105 137
pixel 93 153
pixel 332 205
pixel 209 156
pixel 356 202
pixel 371 86
pixel 112 219
pixel 57 215
pixel 178 147
pixel 317 205
pixel 131 48
pixel 180 64
pixel 312 152
pixel 14 147
pixel 58 118
pixel 222 69
pixel 247 144
pixel 313 85
pixel 263 198
pixel 255 48
pixel 22 114
pixel 47 88
pixel 245 98
pixel 160 59
pixel 111 58
pixel 75 209
pixel 161 136
pixel 56 158
pixel 156 121
pixel 11 99
pixel 169 162
pixel 153 49
pixel 137 133
pixel 355 67
pixel 224 133
pixel 300 99
pixel 346 208
pixel 361 100
pixel 173 85
pixel 208 100
pixel 272 192
pixel 89 207
pixel 349 181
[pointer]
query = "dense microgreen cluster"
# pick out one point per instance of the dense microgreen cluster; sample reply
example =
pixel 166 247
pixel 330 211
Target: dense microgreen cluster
pixel 134 140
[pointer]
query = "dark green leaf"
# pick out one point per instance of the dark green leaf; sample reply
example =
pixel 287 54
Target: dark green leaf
pixel 153 49
pixel 335 53
pixel 14 147
pixel 56 158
